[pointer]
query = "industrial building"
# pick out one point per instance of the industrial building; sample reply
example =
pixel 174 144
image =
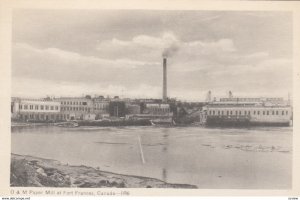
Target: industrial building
pixel 75 108
pixel 100 107
pixel 35 110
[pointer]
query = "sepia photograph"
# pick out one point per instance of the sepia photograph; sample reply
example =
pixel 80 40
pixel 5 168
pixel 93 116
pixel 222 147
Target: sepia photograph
pixel 146 98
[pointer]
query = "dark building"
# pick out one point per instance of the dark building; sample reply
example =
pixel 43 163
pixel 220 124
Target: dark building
pixel 117 108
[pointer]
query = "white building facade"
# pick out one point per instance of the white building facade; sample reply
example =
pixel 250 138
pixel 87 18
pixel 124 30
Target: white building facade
pixel 35 110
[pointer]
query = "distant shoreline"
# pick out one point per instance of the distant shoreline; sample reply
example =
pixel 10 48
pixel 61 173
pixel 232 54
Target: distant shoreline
pixel 30 171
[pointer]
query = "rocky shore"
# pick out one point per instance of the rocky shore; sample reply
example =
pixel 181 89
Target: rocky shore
pixel 28 171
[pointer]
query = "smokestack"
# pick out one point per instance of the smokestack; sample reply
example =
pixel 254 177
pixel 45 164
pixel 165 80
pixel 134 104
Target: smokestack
pixel 164 79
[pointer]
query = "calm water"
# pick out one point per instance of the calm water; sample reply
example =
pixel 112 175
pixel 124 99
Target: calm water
pixel 208 158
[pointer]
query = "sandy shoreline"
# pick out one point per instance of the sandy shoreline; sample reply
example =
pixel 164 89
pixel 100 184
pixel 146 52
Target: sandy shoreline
pixel 29 171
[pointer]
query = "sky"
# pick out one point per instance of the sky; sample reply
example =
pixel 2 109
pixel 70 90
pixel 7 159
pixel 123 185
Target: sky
pixel 119 52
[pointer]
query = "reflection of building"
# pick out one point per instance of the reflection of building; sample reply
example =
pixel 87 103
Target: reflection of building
pixel 75 107
pixel 35 109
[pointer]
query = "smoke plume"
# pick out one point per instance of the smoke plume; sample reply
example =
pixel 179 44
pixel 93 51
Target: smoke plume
pixel 171 45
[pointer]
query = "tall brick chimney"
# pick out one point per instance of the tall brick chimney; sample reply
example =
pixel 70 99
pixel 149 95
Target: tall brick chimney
pixel 164 97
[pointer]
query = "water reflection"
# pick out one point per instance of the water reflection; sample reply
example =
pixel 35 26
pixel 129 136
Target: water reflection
pixel 177 155
pixel 165 154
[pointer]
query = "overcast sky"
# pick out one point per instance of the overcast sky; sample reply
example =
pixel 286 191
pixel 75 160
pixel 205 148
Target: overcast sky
pixel 119 52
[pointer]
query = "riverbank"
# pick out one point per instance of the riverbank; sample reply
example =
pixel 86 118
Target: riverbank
pixel 99 123
pixel 115 123
pixel 29 124
pixel 29 171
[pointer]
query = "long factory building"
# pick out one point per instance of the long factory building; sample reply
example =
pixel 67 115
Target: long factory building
pixel 83 108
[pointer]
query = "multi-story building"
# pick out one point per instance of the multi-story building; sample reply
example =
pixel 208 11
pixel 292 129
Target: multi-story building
pixel 73 108
pixel 133 109
pixel 157 109
pixel 117 108
pixel 35 109
pixel 247 111
pixel 101 107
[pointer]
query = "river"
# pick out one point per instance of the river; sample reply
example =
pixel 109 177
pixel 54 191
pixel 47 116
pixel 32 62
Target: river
pixel 253 158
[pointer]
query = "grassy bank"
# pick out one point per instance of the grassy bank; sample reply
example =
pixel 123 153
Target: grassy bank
pixel 28 171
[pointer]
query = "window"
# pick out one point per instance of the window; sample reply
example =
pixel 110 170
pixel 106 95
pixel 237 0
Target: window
pixel 282 112
pixel 20 107
pixel 31 107
pixel 254 112
pixel 47 107
pixel 236 112
pixel 218 112
pixel 84 103
pixel 230 112
pixel 56 107
pixel 227 112
pixel 213 112
pixel 222 112
pixel 263 112
pixel 273 112
pixel 258 112
pixel 249 112
pixel 42 107
pixel 51 108
pixel 286 112
pixel 36 107
pixel 267 112
pixel 240 112
pixel 276 112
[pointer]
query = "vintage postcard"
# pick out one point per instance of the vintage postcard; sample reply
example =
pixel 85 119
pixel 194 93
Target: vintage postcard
pixel 160 98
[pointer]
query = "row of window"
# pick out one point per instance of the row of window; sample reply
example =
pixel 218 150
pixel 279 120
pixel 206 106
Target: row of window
pixel 74 103
pixel 245 112
pixel 240 99
pixel 100 106
pixel 37 107
pixel 44 117
pixel 159 109
pixel 75 109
